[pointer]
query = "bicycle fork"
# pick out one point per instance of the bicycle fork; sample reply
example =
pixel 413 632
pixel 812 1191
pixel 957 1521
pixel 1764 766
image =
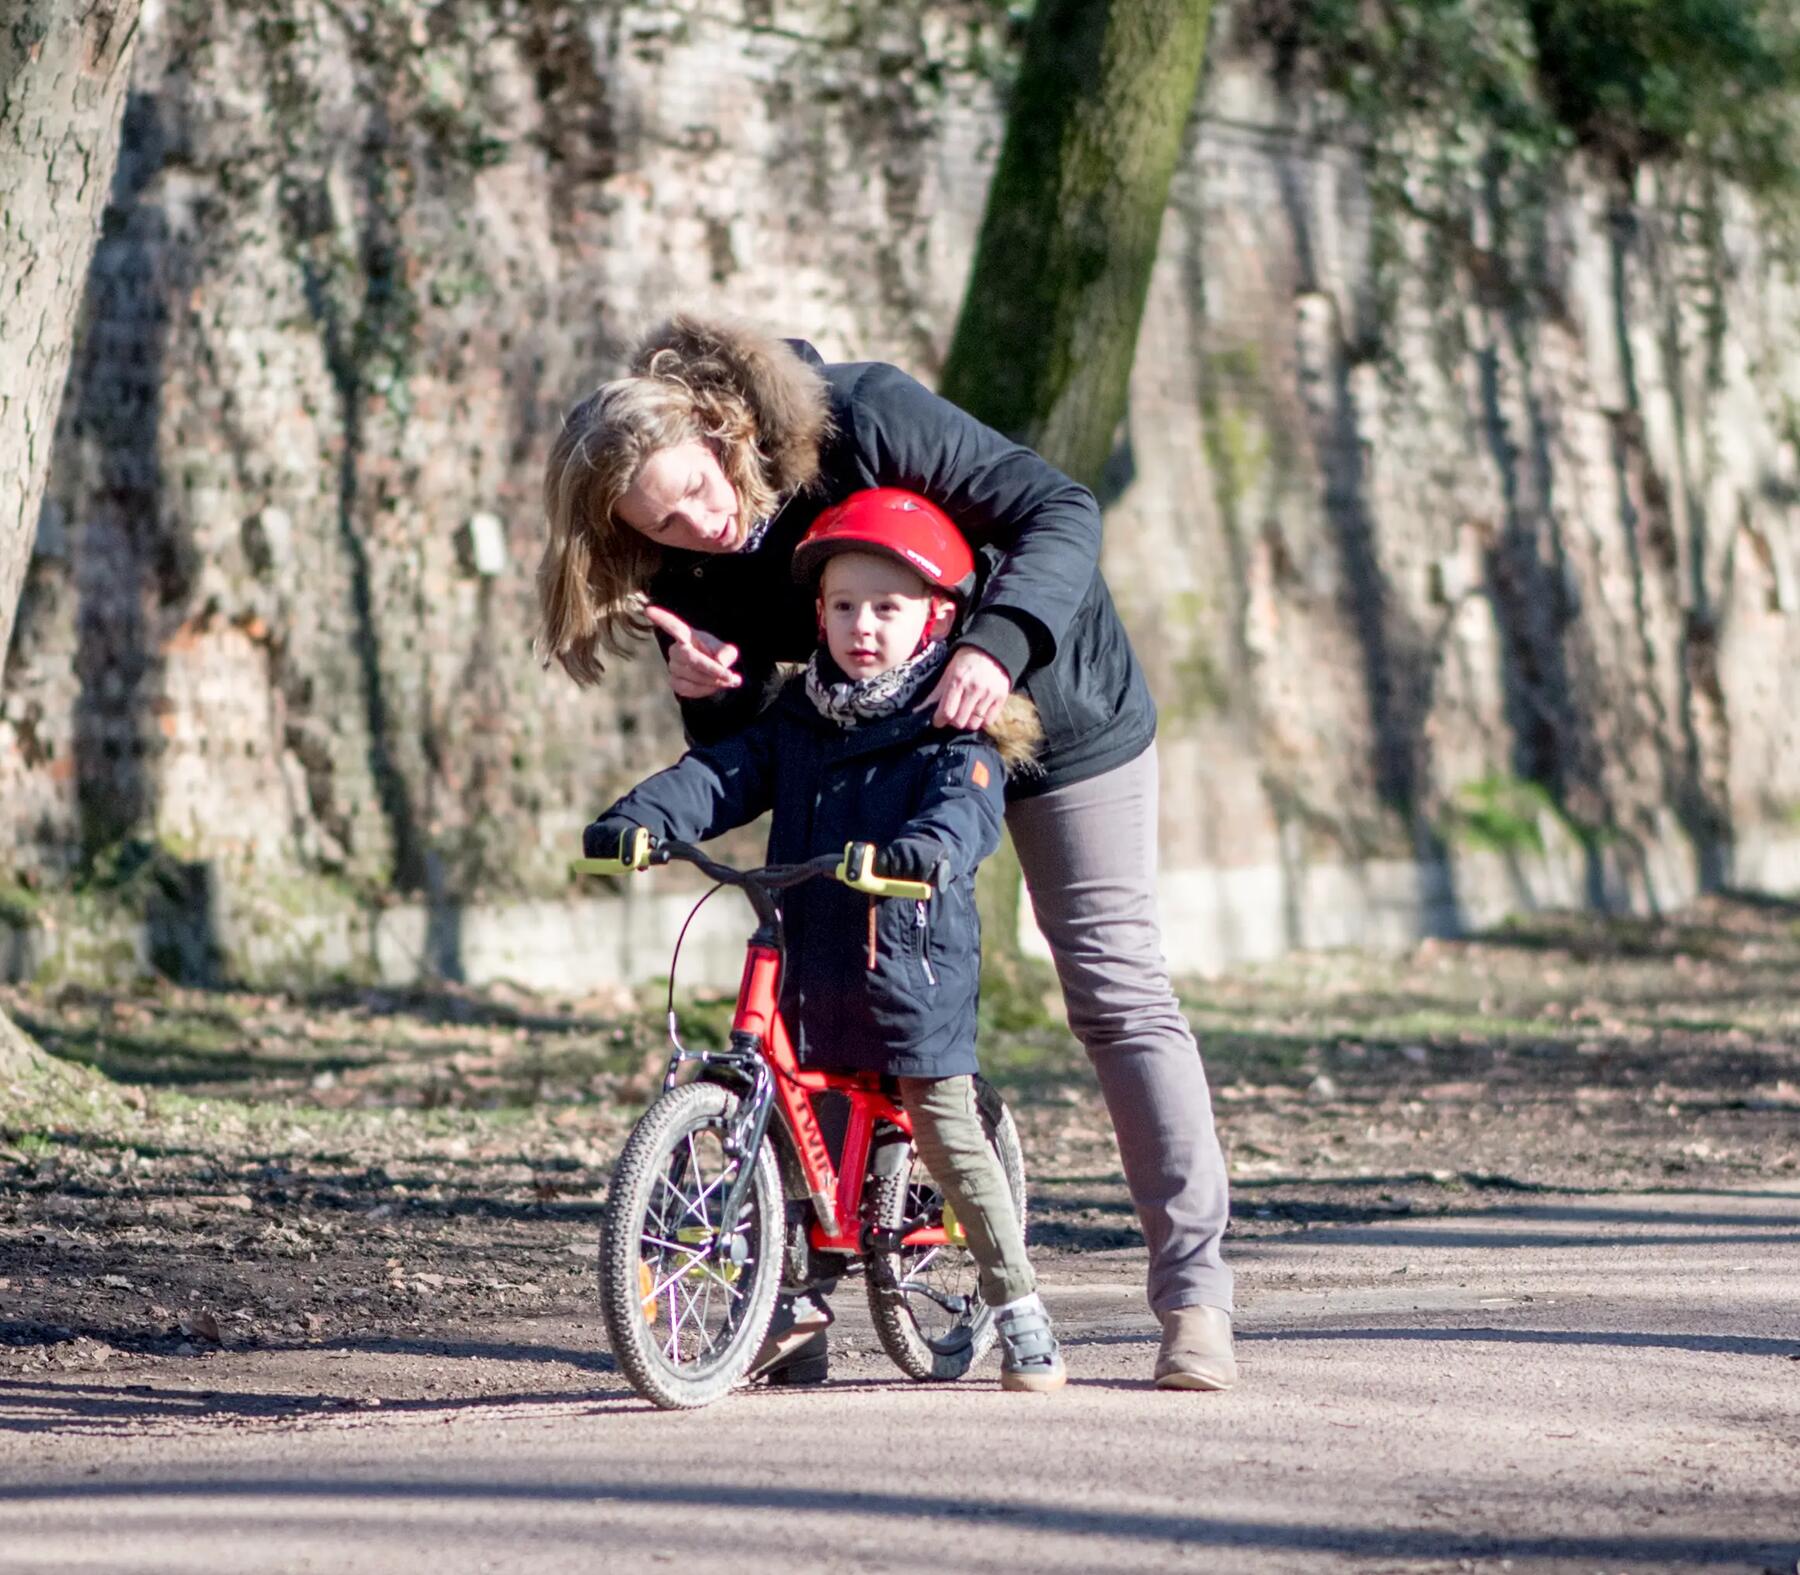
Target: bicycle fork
pixel 743 1141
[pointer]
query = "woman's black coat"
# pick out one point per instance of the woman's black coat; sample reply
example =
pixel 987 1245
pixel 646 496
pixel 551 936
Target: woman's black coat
pixel 883 984
pixel 1043 611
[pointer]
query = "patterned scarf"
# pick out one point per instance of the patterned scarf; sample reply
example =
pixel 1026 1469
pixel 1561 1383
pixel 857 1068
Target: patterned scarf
pixel 757 531
pixel 865 699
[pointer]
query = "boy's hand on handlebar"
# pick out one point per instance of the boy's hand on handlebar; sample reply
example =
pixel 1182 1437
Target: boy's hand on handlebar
pixel 969 692
pixel 910 858
pixel 700 664
pixel 603 839
pixel 857 871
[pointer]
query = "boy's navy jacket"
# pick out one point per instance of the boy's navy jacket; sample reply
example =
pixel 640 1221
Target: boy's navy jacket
pixel 931 801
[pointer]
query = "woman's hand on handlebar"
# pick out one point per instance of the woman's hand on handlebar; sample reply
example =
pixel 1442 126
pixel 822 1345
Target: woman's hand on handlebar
pixel 700 664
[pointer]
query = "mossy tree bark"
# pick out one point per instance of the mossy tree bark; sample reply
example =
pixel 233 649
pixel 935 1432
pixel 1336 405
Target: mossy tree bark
pixel 1049 326
pixel 64 68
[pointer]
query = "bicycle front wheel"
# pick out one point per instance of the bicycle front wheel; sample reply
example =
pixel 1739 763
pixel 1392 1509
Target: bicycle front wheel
pixel 926 1300
pixel 685 1307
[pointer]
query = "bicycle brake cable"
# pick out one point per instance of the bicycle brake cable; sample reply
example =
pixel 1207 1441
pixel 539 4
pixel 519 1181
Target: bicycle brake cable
pixel 675 962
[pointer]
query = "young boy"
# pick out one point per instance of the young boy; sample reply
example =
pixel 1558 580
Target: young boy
pixel 846 754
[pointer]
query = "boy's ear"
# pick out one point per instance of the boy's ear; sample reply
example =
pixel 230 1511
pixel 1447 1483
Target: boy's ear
pixel 943 618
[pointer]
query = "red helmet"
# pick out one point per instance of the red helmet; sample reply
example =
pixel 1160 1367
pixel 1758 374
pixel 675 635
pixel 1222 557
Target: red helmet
pixel 897 524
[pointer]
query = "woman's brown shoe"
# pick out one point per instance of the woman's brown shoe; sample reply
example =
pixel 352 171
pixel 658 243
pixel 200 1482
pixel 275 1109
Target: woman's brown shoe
pixel 1196 1350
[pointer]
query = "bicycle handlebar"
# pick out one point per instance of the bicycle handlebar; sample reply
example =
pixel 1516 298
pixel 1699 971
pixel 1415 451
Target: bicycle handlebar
pixel 856 869
pixel 634 854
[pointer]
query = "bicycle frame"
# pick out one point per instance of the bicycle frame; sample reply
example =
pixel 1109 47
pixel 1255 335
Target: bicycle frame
pixel 762 1052
pixel 835 1189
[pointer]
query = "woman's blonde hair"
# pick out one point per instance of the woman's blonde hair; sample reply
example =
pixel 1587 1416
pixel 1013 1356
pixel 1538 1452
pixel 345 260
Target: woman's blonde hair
pixel 595 567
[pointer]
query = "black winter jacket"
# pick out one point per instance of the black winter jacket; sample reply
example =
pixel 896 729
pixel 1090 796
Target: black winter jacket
pixel 931 800
pixel 1042 609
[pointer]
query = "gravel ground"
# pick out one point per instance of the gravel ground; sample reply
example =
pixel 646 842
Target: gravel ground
pixel 307 1284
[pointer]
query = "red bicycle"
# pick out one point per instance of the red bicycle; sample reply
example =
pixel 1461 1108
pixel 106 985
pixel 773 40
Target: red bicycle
pixel 751 1174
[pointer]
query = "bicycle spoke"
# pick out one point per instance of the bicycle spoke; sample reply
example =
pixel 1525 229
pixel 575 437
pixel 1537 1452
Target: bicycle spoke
pixel 715 1278
pixel 699 1326
pixel 686 1206
pixel 924 1263
pixel 705 1299
pixel 699 1176
pixel 670 1246
pixel 679 1275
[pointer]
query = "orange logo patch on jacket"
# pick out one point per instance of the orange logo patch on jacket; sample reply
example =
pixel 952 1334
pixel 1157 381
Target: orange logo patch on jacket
pixel 978 773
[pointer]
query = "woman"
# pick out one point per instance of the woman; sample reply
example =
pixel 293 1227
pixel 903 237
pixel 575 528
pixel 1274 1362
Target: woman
pixel 675 497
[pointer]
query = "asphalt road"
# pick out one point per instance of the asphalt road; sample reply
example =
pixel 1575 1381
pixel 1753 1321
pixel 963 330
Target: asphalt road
pixel 1545 1382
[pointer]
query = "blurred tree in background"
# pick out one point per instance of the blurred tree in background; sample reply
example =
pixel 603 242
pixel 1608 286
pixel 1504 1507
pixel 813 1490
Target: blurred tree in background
pixel 1712 81
pixel 1712 84
pixel 63 74
pixel 1049 325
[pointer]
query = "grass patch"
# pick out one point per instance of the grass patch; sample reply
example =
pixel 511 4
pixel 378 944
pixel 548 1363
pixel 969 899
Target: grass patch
pixel 1501 814
pixel 19 905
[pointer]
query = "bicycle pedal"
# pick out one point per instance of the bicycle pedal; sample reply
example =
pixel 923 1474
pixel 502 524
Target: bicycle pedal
pixel 877 1239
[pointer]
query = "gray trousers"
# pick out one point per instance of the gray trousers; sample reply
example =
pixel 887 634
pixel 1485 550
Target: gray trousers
pixel 947 1132
pixel 1089 856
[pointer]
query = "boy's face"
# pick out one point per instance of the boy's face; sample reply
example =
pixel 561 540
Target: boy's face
pixel 874 610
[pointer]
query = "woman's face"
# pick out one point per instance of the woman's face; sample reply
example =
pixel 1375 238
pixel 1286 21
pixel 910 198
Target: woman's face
pixel 681 498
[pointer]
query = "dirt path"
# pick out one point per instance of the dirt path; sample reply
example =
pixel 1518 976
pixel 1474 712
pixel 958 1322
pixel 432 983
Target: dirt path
pixel 1517 1230
pixel 1565 1382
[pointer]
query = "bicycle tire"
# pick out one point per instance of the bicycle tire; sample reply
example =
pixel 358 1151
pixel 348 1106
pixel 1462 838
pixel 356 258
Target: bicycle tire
pixel 922 1338
pixel 683 1325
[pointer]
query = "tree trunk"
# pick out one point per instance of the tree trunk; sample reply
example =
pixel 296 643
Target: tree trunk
pixel 1049 326
pixel 64 66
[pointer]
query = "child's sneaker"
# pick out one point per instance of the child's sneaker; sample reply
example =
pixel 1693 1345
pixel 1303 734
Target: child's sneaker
pixel 1029 1358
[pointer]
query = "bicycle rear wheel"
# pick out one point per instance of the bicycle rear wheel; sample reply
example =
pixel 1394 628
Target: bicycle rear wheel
pixel 686 1310
pixel 926 1303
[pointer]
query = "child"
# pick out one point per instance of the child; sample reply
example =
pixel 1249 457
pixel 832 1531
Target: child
pixel 846 754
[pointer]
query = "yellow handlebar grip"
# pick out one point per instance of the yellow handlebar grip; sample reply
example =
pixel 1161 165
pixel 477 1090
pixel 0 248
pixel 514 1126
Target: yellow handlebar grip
pixel 634 854
pixel 864 878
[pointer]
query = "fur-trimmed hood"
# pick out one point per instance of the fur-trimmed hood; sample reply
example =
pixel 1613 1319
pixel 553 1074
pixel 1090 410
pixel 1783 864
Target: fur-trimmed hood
pixel 787 395
pixel 1017 731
